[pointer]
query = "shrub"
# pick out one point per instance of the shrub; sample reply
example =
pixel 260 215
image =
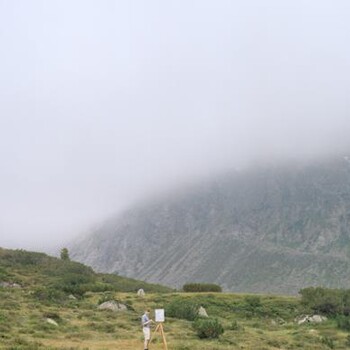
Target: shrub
pixel 347 342
pixel 343 322
pixel 105 297
pixel 201 287
pixel 329 342
pixel 208 328
pixel 326 301
pixel 234 326
pixel 44 294
pixel 52 315
pixel 183 309
pixel 253 301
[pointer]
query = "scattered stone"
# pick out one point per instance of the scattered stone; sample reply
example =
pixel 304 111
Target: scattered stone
pixel 202 312
pixel 10 285
pixel 51 321
pixel 113 306
pixel 141 293
pixel 311 319
pixel 318 319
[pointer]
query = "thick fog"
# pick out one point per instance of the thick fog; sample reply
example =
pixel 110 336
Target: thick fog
pixel 105 102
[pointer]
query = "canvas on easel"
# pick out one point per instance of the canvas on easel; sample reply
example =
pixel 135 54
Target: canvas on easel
pixel 160 318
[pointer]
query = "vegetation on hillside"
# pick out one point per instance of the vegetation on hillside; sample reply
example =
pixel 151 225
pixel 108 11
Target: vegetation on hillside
pixel 58 277
pixel 236 321
pixel 201 287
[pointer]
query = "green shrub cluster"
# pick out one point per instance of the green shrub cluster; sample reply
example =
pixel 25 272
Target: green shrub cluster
pixel 184 309
pixel 326 301
pixel 253 301
pixel 201 287
pixel 208 328
pixel 49 295
pixel 343 322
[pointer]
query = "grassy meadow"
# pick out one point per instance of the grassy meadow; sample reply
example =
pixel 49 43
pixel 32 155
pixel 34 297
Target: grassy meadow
pixel 257 322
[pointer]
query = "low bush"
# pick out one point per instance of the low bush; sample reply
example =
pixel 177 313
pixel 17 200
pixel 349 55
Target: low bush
pixel 326 301
pixel 329 342
pixel 53 315
pixel 347 342
pixel 201 287
pixel 253 301
pixel 343 322
pixel 184 309
pixel 234 326
pixel 208 328
pixel 49 295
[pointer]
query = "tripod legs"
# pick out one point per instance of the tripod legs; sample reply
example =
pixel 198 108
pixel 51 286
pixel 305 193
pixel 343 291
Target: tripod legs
pixel 160 329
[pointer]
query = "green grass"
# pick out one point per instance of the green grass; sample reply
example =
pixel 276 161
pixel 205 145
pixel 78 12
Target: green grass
pixel 259 322
pixel 82 326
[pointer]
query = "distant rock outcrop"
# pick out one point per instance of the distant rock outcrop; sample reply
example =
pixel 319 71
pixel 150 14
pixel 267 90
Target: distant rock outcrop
pixel 271 229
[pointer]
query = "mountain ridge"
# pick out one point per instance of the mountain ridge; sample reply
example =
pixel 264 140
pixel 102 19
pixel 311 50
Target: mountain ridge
pixel 271 229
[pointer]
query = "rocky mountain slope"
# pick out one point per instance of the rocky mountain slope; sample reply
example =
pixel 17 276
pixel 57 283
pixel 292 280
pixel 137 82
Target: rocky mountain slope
pixel 269 229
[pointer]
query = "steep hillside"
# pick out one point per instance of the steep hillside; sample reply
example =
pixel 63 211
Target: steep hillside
pixel 272 229
pixel 54 278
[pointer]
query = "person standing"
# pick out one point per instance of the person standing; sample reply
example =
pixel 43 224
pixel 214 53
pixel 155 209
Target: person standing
pixel 146 327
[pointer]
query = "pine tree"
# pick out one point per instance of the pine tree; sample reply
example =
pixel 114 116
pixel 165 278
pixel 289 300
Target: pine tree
pixel 64 254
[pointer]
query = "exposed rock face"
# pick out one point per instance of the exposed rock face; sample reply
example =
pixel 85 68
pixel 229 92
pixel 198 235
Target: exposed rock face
pixel 276 229
pixel 113 306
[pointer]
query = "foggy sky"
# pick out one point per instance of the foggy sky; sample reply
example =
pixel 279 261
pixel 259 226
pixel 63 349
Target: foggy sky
pixel 105 102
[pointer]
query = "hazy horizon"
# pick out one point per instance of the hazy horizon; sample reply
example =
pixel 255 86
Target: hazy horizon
pixel 105 103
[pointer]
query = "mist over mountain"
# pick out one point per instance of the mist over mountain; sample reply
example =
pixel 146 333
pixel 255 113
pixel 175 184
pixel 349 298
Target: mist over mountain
pixel 274 228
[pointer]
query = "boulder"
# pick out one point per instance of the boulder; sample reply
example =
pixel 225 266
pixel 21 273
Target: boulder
pixel 112 305
pixel 141 293
pixel 202 312
pixel 9 285
pixel 72 297
pixel 318 319
pixel 311 319
pixel 51 321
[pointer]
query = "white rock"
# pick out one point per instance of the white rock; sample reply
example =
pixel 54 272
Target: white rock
pixel 312 319
pixel 10 285
pixel 141 293
pixel 318 319
pixel 113 306
pixel 51 321
pixel 202 312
